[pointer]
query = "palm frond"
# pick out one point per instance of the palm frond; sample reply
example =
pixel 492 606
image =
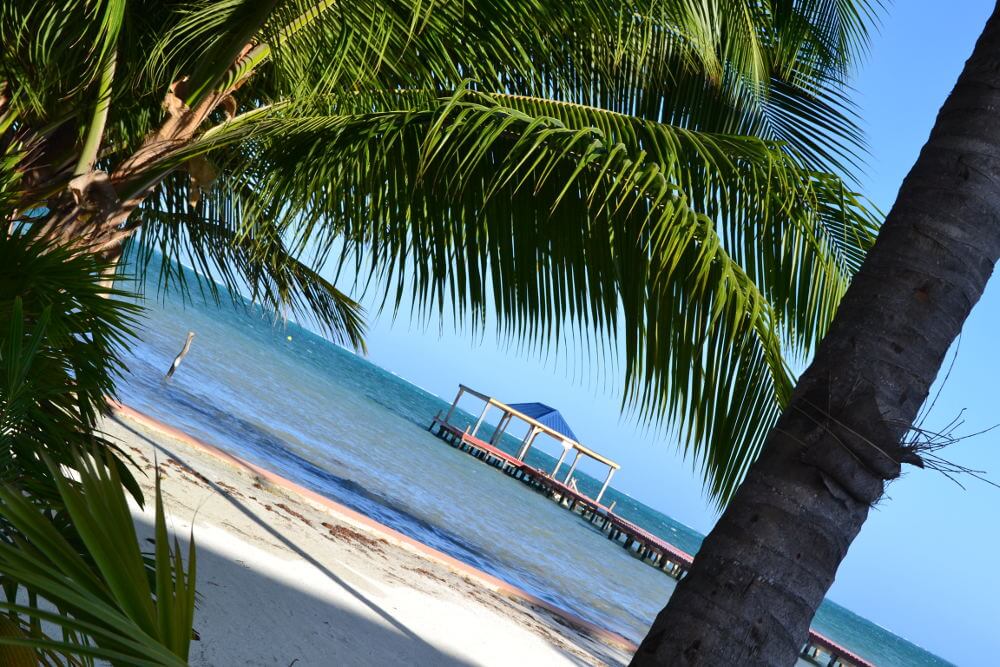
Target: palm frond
pixel 102 597
pixel 474 202
pixel 59 353
pixel 248 258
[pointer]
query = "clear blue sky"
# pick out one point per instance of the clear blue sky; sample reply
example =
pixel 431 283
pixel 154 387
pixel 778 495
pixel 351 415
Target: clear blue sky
pixel 924 565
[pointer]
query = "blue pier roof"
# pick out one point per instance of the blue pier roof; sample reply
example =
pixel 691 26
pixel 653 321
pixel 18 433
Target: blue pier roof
pixel 547 415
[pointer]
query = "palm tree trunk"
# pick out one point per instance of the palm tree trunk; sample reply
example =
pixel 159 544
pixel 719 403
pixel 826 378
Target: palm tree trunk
pixel 765 567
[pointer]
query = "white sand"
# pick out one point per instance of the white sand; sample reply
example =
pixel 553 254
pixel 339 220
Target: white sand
pixel 286 581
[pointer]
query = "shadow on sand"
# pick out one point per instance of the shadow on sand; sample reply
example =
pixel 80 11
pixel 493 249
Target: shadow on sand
pixel 245 617
pixel 254 617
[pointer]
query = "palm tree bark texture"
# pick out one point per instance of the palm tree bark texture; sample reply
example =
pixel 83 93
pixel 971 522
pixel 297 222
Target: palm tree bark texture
pixel 765 567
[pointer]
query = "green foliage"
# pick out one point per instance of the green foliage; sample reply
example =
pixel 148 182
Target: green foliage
pixel 103 600
pixel 668 180
pixel 69 554
pixel 694 246
pixel 59 344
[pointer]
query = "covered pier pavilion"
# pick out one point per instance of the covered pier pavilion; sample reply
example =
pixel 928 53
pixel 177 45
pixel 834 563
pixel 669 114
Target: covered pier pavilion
pixel 540 419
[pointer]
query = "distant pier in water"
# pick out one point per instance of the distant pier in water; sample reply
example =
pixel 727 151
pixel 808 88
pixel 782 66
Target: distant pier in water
pixel 543 420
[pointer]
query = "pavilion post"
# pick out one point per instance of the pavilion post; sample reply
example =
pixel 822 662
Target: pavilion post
pixel 501 427
pixel 566 447
pixel 528 439
pixel 607 480
pixel 451 410
pixel 482 416
pixel 572 468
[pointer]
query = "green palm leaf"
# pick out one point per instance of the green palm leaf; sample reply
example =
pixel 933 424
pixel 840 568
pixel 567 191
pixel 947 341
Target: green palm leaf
pixel 59 347
pixel 222 247
pixel 103 596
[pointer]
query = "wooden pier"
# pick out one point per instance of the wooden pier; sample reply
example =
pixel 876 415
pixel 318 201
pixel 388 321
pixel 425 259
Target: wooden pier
pixel 645 546
pixel 827 653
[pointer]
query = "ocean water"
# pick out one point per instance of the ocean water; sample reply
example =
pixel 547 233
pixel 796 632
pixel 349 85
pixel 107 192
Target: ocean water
pixel 356 433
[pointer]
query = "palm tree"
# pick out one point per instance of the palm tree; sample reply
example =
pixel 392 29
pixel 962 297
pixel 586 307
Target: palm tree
pixel 656 175
pixel 846 432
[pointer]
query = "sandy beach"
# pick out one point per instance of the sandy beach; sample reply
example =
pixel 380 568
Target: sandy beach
pixel 288 577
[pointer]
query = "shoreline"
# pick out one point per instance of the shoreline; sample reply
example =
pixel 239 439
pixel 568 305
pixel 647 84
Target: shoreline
pixel 384 533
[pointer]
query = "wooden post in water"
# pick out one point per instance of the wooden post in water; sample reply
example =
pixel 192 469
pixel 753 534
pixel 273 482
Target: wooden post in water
pixel 180 356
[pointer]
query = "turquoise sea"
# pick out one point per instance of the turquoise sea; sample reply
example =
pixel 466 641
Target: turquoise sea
pixel 350 430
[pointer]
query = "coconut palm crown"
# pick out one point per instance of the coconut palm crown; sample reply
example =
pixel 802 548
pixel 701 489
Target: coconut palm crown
pixel 659 177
